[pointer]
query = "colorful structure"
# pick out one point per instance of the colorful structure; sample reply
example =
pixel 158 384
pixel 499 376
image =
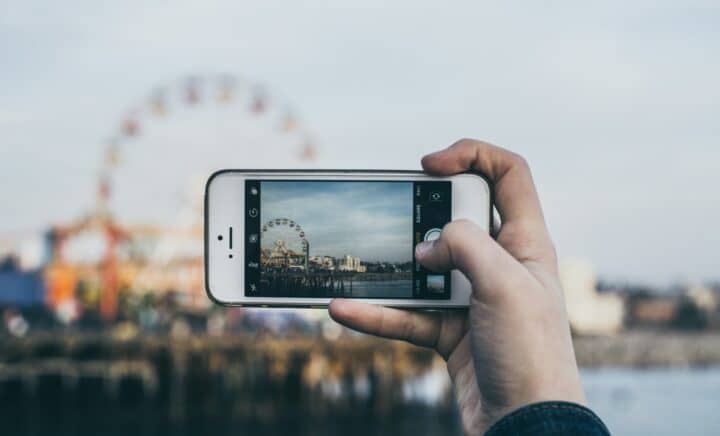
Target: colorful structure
pixel 152 258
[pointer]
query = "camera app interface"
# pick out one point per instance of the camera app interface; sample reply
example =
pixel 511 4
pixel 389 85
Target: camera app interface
pixel 316 238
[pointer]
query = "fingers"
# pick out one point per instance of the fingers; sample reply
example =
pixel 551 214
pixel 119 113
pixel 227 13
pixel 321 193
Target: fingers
pixel 419 328
pixel 439 330
pixel 515 194
pixel 465 246
pixel 516 197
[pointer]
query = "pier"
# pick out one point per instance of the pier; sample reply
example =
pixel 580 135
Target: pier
pixel 248 376
pixel 323 284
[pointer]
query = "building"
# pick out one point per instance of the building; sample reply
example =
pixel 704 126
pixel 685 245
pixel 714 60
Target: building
pixel 702 297
pixel 20 288
pixel 323 262
pixel 653 312
pixel 350 263
pixel 589 312
pixel 280 256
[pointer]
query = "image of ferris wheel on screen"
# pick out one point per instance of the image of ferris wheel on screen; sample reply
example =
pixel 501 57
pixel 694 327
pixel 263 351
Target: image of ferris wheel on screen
pixel 333 239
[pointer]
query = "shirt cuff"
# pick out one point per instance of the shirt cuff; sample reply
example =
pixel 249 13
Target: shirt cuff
pixel 550 418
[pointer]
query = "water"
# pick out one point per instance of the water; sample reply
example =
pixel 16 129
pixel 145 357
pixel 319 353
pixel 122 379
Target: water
pixel 657 401
pixel 310 286
pixel 382 289
pixel 630 401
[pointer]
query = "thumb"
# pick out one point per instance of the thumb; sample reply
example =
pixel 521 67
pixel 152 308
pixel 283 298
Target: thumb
pixel 465 246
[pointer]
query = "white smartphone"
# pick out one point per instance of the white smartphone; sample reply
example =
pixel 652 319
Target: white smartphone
pixel 299 238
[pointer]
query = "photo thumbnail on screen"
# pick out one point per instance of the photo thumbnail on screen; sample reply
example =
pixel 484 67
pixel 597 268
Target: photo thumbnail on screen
pixel 318 238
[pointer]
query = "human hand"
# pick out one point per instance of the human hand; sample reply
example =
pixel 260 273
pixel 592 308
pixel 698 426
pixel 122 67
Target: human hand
pixel 513 346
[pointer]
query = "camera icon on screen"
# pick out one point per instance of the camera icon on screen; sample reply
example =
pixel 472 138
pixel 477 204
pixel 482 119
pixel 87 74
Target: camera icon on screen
pixel 436 196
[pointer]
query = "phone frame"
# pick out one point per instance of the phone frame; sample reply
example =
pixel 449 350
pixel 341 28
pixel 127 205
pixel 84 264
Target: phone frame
pixel 459 285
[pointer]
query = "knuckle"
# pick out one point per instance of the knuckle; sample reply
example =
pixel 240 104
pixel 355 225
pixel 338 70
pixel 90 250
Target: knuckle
pixel 455 231
pixel 518 160
pixel 461 230
pixel 462 238
pixel 408 329
pixel 381 325
pixel 466 143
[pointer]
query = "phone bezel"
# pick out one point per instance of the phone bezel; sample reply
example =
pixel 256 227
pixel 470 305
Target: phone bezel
pixel 231 291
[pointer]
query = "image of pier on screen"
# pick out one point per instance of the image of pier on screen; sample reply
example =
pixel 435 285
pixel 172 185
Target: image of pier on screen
pixel 336 239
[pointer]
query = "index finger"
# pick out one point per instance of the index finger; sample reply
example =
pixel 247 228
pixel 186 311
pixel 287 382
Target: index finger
pixel 526 236
pixel 420 328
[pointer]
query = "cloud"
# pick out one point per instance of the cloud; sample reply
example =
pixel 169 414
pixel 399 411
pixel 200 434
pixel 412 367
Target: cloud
pixel 370 220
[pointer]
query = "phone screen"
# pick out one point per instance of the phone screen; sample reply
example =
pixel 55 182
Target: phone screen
pixel 352 239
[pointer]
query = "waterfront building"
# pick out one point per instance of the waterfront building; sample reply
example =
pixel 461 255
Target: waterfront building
pixel 702 297
pixel 323 262
pixel 589 312
pixel 281 256
pixel 654 312
pixel 351 263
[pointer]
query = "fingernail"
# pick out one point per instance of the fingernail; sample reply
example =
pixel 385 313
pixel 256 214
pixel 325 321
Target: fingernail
pixel 423 248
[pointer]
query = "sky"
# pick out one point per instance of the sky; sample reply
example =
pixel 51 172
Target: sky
pixel 372 221
pixel 615 105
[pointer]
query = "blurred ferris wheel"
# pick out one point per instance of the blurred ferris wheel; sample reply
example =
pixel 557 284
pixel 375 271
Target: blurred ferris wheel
pixel 168 254
pixel 253 100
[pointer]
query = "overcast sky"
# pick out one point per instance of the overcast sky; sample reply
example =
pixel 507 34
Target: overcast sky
pixel 372 221
pixel 615 104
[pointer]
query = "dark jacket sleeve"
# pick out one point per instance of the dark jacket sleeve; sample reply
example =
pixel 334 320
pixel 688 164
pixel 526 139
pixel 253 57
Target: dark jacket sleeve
pixel 551 418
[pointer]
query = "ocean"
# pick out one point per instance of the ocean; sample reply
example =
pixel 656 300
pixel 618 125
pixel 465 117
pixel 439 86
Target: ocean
pixel 656 401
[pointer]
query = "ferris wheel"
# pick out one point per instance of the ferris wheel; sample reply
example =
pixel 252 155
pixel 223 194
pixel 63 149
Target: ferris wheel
pixel 190 92
pixel 197 91
pixel 284 241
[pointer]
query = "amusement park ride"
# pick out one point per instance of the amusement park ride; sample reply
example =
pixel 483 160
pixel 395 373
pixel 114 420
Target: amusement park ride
pixel 290 245
pixel 119 268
